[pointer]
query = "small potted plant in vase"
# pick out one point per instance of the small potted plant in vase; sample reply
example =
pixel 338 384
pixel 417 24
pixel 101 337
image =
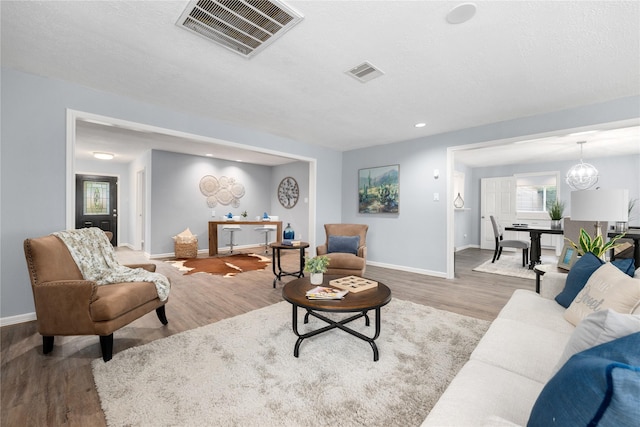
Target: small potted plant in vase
pixel 555 213
pixel 317 266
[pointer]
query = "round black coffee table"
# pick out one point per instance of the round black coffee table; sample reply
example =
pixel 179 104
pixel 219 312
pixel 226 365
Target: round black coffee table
pixel 360 303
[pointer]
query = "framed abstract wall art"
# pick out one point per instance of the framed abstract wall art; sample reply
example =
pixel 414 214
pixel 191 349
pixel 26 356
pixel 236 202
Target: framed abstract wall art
pixel 378 190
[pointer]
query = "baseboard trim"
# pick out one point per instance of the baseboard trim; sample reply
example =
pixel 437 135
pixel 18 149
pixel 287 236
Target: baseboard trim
pixel 439 274
pixel 20 318
pixel 462 248
pixel 221 251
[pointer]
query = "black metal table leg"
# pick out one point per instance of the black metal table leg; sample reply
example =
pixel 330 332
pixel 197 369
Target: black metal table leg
pixel 339 325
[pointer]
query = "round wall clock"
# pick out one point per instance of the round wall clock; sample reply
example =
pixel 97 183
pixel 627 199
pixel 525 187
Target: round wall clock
pixel 288 192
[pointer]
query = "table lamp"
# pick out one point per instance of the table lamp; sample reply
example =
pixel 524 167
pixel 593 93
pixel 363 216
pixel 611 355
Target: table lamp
pixel 600 205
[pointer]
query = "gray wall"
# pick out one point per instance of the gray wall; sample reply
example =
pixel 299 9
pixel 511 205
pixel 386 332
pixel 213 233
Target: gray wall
pixel 415 239
pixel 615 172
pixel 34 149
pixel 298 216
pixel 33 164
pixel 177 203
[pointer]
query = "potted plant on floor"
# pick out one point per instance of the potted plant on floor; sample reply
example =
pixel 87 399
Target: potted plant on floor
pixel 317 266
pixel 556 210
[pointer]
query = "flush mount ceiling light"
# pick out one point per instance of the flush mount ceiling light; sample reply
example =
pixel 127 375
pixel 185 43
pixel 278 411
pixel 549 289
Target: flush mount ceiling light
pixel 243 26
pixel 102 156
pixel 583 175
pixel 461 13
pixel 419 125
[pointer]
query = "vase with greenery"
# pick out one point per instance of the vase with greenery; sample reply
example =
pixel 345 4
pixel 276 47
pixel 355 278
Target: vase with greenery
pixel 556 210
pixel 317 266
pixel 596 245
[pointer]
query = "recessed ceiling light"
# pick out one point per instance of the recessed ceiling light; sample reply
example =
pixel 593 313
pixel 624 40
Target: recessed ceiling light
pixel 461 13
pixel 209 155
pixel 102 156
pixel 420 125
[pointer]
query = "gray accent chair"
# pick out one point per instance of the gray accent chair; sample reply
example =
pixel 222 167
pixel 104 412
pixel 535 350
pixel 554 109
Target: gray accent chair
pixel 501 243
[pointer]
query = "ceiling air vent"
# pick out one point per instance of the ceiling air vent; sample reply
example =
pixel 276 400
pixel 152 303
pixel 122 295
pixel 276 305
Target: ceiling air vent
pixel 243 26
pixel 364 72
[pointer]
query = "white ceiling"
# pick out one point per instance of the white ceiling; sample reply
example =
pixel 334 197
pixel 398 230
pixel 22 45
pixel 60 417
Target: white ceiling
pixel 513 59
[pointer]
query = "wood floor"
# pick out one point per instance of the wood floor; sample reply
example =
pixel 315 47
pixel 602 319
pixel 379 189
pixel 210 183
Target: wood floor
pixel 58 389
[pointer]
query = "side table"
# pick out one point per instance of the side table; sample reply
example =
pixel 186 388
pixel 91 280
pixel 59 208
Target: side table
pixel 541 269
pixel 277 269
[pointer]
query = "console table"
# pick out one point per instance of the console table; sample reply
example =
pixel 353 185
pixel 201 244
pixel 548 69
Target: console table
pixel 213 231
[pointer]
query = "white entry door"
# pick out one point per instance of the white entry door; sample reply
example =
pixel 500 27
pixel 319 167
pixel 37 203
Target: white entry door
pixel 497 198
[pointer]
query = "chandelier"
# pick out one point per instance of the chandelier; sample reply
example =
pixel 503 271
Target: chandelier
pixel 583 175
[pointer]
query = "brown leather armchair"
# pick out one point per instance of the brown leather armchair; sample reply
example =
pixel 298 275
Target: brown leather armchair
pixel 66 304
pixel 343 237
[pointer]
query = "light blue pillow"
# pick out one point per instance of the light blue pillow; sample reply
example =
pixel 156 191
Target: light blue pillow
pixel 577 278
pixel 345 244
pixel 597 387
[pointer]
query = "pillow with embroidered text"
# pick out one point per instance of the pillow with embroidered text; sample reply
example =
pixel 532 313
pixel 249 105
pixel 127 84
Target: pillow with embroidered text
pixel 608 287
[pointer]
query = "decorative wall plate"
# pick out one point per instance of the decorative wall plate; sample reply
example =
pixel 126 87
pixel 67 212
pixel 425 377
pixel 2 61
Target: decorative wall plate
pixel 209 185
pixel 224 196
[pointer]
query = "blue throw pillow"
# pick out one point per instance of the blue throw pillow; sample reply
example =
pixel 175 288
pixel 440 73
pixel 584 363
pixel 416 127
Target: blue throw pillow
pixel 346 244
pixel 597 387
pixel 626 265
pixel 577 278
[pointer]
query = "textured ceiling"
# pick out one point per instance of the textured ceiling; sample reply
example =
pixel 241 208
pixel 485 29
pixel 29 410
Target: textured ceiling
pixel 513 59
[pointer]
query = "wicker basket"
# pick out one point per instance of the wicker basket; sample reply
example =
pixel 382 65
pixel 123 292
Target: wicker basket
pixel 186 250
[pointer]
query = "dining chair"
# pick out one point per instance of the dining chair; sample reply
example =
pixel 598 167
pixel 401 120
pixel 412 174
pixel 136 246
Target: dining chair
pixel 501 243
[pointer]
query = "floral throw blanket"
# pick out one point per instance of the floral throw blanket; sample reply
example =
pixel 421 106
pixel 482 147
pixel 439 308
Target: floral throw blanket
pixel 96 259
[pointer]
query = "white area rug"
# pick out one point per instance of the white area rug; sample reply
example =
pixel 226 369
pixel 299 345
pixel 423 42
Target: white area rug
pixel 241 372
pixel 510 264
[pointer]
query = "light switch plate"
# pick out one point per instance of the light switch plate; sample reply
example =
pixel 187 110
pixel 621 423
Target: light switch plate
pixel 436 197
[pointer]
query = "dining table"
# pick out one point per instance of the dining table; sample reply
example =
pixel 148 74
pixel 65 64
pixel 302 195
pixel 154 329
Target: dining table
pixel 535 234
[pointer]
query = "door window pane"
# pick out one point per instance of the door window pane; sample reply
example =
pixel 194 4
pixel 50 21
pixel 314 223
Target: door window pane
pixel 96 198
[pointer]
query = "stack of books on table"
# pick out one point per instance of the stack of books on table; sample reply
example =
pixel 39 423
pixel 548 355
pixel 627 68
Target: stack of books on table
pixel 289 242
pixel 322 292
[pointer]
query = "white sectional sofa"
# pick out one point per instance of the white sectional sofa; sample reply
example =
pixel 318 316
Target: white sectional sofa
pixel 500 383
